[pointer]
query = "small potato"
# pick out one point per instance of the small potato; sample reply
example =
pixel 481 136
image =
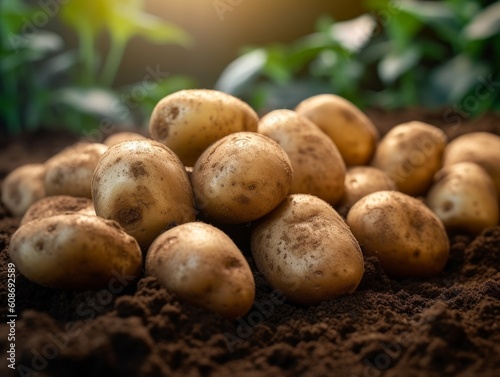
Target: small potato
pixel 406 236
pixel 202 266
pixel 350 129
pixel 483 148
pixel 143 186
pixel 23 187
pixel 75 251
pixel 70 171
pixel 361 181
pixel 318 167
pixel 58 205
pixel 189 121
pixel 121 137
pixel 411 153
pixel 464 198
pixel 240 178
pixel 306 250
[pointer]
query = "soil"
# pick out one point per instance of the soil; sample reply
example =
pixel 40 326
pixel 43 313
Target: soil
pixel 443 326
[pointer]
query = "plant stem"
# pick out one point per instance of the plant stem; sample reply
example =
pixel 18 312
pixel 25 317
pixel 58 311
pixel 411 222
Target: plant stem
pixel 113 62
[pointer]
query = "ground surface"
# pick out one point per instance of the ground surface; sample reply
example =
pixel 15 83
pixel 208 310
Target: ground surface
pixel 444 326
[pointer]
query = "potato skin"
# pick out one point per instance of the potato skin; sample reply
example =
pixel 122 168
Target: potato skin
pixel 58 205
pixel 483 148
pixel 350 129
pixel 143 186
pixel 23 187
pixel 120 137
pixel 463 196
pixel 318 167
pixel 188 121
pixel 306 250
pixel 70 171
pixel 74 251
pixel 202 265
pixel 240 178
pixel 405 235
pixel 411 153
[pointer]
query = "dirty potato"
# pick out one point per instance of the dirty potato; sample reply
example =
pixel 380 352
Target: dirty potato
pixel 188 121
pixel 350 129
pixel 143 186
pixel 318 167
pixel 58 205
pixel 240 178
pixel 201 265
pixel 306 250
pixel 74 251
pixel 406 236
pixel 120 137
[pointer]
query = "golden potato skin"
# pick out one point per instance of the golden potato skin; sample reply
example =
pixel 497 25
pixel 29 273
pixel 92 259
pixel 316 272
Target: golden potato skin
pixel 361 181
pixel 188 121
pixel 240 178
pixel 406 236
pixel 306 250
pixel 483 148
pixel 74 251
pixel 70 171
pixel 23 187
pixel 411 153
pixel 350 129
pixel 202 265
pixel 463 196
pixel 122 136
pixel 318 167
pixel 143 186
pixel 58 205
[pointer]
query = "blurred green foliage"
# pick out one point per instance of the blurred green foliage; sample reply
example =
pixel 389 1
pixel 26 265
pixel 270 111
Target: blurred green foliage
pixel 42 83
pixel 400 54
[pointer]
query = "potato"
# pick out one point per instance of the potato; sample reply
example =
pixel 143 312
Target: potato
pixel 75 251
pixel 240 178
pixel 464 198
pixel 483 148
pixel 143 186
pixel 188 121
pixel 361 181
pixel 411 153
pixel 58 205
pixel 70 171
pixel 406 236
pixel 23 187
pixel 201 265
pixel 350 129
pixel 318 167
pixel 120 137
pixel 305 249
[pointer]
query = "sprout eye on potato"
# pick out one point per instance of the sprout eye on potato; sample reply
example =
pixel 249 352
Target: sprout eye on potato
pixel 189 121
pixel 306 250
pixel 318 167
pixel 58 205
pixel 406 236
pixel 240 178
pixel 143 186
pixel 201 265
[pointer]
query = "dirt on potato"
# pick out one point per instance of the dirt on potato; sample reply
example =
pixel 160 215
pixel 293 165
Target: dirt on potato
pixel 442 326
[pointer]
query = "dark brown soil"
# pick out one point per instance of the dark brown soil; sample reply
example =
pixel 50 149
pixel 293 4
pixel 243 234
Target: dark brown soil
pixel 444 326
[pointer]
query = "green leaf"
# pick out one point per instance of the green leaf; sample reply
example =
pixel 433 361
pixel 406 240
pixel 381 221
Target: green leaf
pixel 485 24
pixel 396 63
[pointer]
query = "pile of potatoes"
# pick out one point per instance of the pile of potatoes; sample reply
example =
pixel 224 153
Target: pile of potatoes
pixel 317 186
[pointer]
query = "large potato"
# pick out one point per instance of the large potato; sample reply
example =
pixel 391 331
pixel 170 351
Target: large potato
pixel 143 186
pixel 201 265
pixel 306 250
pixel 411 153
pixel 318 167
pixel 74 251
pixel 405 235
pixel 241 178
pixel 483 148
pixel 350 129
pixel 188 121
pixel 464 198
pixel 122 136
pixel 58 205
pixel 23 187
pixel 70 171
